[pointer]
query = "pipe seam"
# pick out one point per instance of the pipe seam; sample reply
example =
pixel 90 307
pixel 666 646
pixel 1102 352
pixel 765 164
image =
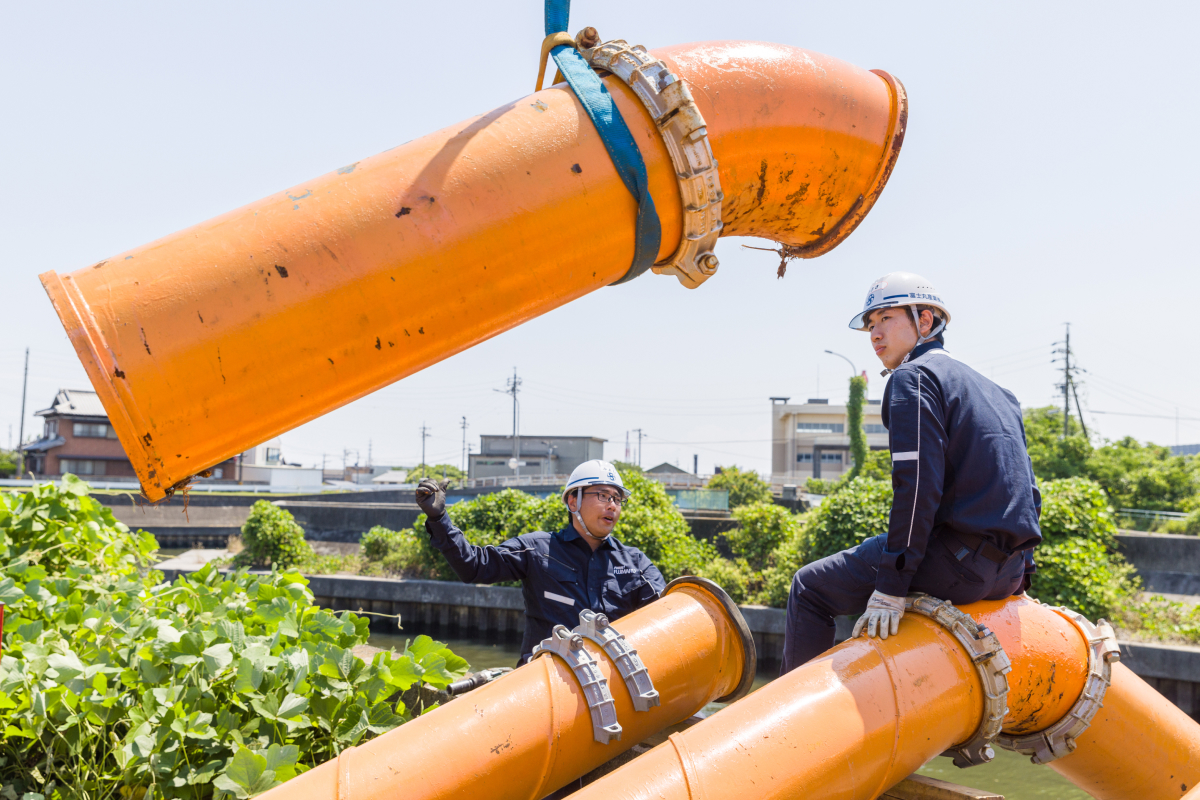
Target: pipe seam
pixel 992 664
pixel 1059 739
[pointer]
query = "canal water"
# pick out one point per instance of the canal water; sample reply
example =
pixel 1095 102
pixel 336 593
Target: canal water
pixel 1009 774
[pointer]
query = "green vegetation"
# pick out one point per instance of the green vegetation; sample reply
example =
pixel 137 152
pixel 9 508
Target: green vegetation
pixel 1132 474
pixel 10 462
pixel 744 486
pixel 272 538
pixel 854 423
pixel 446 474
pixel 113 684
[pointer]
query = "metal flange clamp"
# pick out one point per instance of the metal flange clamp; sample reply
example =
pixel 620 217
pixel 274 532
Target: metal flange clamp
pixel 679 121
pixel 990 661
pixel 569 647
pixel 1059 739
pixel 597 628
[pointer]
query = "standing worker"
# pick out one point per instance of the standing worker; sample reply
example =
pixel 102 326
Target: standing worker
pixel 965 504
pixel 581 566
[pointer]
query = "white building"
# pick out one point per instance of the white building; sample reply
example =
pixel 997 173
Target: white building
pixel 264 464
pixel 810 440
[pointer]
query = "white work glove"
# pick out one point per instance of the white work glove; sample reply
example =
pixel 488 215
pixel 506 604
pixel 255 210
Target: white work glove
pixel 881 617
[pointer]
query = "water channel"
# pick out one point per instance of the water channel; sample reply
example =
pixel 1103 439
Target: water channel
pixel 1009 774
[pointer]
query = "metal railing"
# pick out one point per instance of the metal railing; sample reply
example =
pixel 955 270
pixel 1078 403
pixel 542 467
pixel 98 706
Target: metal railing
pixel 1147 514
pixel 517 480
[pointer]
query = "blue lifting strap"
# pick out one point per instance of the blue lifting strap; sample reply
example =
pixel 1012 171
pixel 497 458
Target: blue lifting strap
pixel 614 133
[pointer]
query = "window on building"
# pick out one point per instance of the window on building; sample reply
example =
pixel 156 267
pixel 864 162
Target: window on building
pixel 824 427
pixel 81 466
pixel 51 428
pixel 803 458
pixel 874 429
pixel 831 458
pixel 94 430
pixel 272 455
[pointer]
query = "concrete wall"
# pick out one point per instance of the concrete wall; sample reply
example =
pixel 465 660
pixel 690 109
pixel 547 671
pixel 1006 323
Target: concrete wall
pixel 1167 563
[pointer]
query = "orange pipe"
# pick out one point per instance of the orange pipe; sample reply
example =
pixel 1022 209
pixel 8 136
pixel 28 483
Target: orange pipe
pixel 1140 746
pixel 219 337
pixel 856 721
pixel 530 732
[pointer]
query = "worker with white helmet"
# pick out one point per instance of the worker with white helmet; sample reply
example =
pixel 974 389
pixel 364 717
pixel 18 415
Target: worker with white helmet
pixel 965 504
pixel 582 566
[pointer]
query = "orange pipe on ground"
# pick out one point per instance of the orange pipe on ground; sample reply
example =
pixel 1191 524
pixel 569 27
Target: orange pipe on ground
pixel 530 732
pixel 219 337
pixel 856 721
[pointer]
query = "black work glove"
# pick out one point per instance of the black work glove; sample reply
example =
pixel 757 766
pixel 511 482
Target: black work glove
pixel 431 499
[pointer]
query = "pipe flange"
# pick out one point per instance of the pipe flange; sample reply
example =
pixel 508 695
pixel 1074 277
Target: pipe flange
pixel 990 661
pixel 745 637
pixel 598 629
pixel 684 132
pixel 569 647
pixel 1059 739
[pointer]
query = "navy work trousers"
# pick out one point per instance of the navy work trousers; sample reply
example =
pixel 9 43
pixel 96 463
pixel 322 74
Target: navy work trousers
pixel 842 584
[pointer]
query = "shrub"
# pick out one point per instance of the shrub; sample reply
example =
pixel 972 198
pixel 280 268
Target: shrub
pixel 776 579
pixel 744 486
pixel 272 537
pixel 652 523
pixel 1078 563
pixel 849 517
pixel 1161 619
pixel 735 577
pixel 214 686
pixel 762 526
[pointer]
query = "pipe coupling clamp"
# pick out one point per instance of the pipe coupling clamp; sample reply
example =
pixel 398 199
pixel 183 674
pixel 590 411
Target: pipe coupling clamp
pixel 990 661
pixel 598 629
pixel 1059 739
pixel 683 129
pixel 569 647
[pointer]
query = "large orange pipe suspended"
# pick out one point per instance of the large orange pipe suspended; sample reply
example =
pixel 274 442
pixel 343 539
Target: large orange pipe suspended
pixel 853 723
pixel 219 337
pixel 530 732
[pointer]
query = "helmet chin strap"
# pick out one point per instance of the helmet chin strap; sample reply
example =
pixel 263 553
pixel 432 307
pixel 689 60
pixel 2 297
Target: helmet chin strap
pixel 933 334
pixel 579 517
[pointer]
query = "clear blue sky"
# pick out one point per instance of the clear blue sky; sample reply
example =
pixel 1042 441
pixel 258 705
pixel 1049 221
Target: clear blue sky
pixel 1049 175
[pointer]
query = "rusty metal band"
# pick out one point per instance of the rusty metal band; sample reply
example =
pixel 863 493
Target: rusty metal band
pixel 1058 740
pixel 685 134
pixel 992 664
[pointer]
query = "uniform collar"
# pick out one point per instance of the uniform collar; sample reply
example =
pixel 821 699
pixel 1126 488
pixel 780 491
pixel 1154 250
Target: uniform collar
pixel 921 350
pixel 568 533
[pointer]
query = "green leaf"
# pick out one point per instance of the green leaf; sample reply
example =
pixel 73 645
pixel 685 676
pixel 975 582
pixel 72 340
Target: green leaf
pixel 404 672
pixel 292 705
pixel 9 593
pixel 217 658
pixel 249 676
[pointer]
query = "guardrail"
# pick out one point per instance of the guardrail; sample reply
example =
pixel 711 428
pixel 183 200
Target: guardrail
pixel 1147 514
pixel 517 480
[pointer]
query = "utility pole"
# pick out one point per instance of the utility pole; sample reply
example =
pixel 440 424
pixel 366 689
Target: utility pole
pixel 21 425
pixel 696 464
pixel 1068 386
pixel 368 453
pixel 626 447
pixel 464 452
pixel 424 436
pixel 639 433
pixel 514 386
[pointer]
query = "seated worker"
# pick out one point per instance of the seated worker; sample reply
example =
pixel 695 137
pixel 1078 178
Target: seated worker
pixel 581 566
pixel 965 505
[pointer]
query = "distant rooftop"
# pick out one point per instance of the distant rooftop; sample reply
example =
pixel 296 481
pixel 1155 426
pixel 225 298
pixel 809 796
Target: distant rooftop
pixel 1185 449
pixel 75 403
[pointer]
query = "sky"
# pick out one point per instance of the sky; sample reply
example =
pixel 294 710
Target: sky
pixel 1049 175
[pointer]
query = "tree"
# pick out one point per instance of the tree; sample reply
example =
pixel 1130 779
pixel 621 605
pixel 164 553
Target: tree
pixel 8 463
pixel 442 473
pixel 1136 475
pixel 744 486
pixel 1053 455
pixel 854 420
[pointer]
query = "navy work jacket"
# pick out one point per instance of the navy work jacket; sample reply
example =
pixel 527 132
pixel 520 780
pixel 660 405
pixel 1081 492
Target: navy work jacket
pixel 559 573
pixel 959 464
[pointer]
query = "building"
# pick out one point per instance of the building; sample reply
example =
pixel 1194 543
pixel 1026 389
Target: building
pixel 264 464
pixel 540 456
pixel 1185 449
pixel 674 477
pixel 77 438
pixel 809 440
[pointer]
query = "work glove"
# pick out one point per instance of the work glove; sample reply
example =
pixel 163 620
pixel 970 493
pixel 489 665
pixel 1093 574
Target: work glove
pixel 881 617
pixel 431 499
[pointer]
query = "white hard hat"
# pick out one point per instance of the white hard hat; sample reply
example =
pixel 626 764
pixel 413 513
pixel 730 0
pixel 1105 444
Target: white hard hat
pixel 901 289
pixel 594 473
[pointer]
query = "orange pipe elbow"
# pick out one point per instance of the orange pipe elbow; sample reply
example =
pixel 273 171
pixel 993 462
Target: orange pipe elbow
pixel 856 721
pixel 530 732
pixel 219 337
